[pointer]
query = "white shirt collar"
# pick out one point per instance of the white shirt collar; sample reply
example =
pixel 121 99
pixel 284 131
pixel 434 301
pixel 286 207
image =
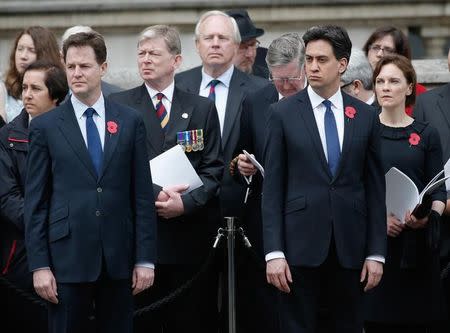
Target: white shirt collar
pixel 316 100
pixel 371 100
pixel 79 107
pixel 168 92
pixel 225 78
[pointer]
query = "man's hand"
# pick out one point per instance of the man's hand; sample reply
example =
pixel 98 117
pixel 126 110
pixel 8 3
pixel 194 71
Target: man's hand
pixel 373 271
pixel 394 226
pixel 162 196
pixel 414 223
pixel 45 285
pixel 245 167
pixel 279 274
pixel 143 278
pixel 173 207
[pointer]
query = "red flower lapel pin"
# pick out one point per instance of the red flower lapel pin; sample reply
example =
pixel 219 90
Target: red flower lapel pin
pixel 350 112
pixel 414 139
pixel 112 127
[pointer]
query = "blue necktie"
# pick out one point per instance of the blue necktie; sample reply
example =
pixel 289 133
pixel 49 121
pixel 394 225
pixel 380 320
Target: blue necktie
pixel 212 89
pixel 332 138
pixel 93 140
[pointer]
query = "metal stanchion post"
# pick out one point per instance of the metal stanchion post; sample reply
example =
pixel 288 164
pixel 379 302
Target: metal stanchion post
pixel 231 230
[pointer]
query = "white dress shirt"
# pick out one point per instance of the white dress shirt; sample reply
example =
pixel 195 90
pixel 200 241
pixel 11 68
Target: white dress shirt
pixel 319 114
pixel 166 100
pixel 221 91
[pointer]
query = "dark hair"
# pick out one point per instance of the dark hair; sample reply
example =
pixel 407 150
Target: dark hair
pixel 55 78
pixel 404 64
pixel 92 39
pixel 46 47
pixel 400 40
pixel 335 35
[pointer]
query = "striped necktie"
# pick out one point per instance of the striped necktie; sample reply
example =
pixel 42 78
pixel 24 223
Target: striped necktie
pixel 212 89
pixel 161 111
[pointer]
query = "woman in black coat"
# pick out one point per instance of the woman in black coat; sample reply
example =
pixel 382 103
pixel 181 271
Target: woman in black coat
pixel 44 87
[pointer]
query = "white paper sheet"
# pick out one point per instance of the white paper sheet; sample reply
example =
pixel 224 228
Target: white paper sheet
pixel 173 168
pixel 254 162
pixel 401 193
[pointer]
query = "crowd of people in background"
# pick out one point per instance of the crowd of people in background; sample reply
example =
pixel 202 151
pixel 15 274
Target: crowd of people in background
pixel 83 226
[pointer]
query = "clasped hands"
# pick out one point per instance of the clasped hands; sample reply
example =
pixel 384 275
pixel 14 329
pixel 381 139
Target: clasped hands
pixel 169 203
pixel 245 167
pixel 395 226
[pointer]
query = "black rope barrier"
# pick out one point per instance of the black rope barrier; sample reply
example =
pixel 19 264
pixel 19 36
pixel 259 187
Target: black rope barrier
pixel 22 293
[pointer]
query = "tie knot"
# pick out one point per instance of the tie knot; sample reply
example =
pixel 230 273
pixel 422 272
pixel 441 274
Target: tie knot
pixel 89 112
pixel 214 83
pixel 159 96
pixel 327 104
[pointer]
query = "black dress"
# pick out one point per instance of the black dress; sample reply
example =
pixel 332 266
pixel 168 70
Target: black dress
pixel 410 289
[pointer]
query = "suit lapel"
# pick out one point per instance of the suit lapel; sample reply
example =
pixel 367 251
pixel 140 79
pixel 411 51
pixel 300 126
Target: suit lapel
pixel 70 129
pixel 143 103
pixel 111 115
pixel 235 96
pixel 307 114
pixel 180 116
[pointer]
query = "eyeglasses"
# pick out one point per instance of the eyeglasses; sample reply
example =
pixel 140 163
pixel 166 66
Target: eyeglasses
pixel 346 84
pixel 377 48
pixel 283 80
pixel 249 45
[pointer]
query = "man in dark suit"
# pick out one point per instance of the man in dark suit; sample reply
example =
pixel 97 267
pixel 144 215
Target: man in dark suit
pixel 285 59
pixel 89 209
pixel 245 58
pixel 217 39
pixel 433 107
pixel 323 206
pixel 187 221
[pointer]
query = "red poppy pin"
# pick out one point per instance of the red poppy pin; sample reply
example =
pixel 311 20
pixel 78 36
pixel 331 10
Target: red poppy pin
pixel 350 112
pixel 112 127
pixel 414 139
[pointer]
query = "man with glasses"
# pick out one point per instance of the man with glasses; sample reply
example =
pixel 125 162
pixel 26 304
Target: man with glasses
pixel 285 59
pixel 248 48
pixel 357 79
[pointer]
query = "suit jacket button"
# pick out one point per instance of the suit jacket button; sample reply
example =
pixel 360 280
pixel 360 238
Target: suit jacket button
pixel 97 213
pixel 99 189
pixel 332 188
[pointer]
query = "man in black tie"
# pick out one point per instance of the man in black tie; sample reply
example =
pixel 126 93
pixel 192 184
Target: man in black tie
pixel 324 217
pixel 187 222
pixel 89 209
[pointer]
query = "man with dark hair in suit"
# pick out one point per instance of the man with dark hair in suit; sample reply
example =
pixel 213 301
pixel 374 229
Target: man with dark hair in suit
pixel 323 205
pixel 434 107
pixel 217 40
pixel 285 59
pixel 89 209
pixel 187 222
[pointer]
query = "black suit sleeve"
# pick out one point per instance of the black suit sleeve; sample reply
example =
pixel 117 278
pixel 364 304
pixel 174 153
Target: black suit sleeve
pixel 433 163
pixel 273 185
pixel 211 166
pixel 145 214
pixel 37 196
pixel 375 192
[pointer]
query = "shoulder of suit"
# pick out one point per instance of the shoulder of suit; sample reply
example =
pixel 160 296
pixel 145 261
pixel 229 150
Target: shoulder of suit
pixel 189 73
pixel 434 93
pixel 118 96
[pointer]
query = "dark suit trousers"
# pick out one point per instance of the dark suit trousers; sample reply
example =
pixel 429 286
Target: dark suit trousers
pixel 329 284
pixel 110 301
pixel 194 311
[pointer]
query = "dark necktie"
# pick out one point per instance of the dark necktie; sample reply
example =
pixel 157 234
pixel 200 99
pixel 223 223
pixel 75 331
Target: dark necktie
pixel 332 138
pixel 161 111
pixel 212 89
pixel 93 140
